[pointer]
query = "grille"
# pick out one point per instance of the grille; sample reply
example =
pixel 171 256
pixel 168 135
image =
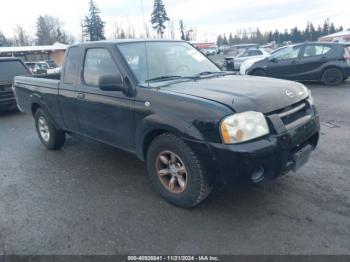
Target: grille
pixel 6 92
pixel 295 113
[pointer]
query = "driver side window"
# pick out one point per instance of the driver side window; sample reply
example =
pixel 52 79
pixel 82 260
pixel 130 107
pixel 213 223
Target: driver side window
pixel 98 62
pixel 288 53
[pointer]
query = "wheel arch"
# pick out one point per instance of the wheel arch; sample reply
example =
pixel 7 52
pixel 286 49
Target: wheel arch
pixel 329 67
pixel 251 72
pixel 154 125
pixel 36 104
pixel 34 107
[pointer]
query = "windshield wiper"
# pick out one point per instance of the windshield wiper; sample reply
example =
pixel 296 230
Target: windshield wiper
pixel 162 78
pixel 206 73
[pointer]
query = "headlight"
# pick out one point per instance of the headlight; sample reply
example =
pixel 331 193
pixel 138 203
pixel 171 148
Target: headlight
pixel 243 127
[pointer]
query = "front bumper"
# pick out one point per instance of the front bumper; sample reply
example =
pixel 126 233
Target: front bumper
pixel 274 153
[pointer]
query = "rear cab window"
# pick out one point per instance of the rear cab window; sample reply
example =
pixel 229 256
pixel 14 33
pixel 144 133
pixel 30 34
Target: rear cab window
pixel 71 65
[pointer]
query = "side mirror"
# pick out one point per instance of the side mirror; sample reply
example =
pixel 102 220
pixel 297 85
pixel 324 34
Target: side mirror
pixel 111 83
pixel 273 60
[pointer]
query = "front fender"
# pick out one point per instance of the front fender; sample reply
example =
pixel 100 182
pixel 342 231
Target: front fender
pixel 155 124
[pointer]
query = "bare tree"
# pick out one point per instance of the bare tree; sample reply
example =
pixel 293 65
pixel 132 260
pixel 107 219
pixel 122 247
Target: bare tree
pixel 21 38
pixel 116 34
pixel 172 29
pixel 4 41
pixel 131 33
pixel 49 31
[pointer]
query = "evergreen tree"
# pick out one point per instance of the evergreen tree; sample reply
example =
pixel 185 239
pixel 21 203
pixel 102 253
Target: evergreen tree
pixel 93 24
pixel 295 35
pixel 219 40
pixel 225 41
pixel 159 17
pixel 230 39
pixel 325 30
pixel 332 29
pixel 312 32
pixel 3 40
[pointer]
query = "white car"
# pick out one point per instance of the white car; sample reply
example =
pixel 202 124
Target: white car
pixel 209 51
pixel 56 70
pixel 246 55
pixel 248 63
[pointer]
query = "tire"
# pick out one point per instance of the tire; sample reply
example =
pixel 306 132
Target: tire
pixel 332 77
pixel 49 136
pixel 168 152
pixel 259 72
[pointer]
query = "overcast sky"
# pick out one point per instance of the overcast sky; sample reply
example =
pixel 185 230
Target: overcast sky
pixel 209 17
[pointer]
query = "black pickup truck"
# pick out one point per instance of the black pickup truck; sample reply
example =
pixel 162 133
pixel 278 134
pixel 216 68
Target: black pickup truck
pixel 164 101
pixel 9 68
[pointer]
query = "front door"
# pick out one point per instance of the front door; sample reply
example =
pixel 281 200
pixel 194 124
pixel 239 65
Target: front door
pixel 107 116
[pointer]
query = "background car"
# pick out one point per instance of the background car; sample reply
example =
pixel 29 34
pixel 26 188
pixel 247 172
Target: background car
pixel 234 63
pixel 209 51
pixel 37 68
pixel 326 62
pixel 50 63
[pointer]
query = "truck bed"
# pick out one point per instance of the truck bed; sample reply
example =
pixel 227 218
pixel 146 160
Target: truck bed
pixel 41 88
pixel 47 81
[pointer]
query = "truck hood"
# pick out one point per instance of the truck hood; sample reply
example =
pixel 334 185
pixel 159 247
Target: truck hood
pixel 243 93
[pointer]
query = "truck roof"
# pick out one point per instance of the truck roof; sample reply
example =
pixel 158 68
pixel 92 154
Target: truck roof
pixel 123 41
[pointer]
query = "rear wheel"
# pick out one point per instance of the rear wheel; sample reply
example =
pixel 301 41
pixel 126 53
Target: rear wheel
pixel 259 72
pixel 176 172
pixel 49 136
pixel 332 77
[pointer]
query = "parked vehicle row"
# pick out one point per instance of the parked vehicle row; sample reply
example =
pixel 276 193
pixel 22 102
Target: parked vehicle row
pixel 234 63
pixel 167 103
pixel 325 62
pixel 43 67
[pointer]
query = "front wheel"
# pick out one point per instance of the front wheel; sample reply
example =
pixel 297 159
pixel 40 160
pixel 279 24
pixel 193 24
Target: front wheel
pixel 332 77
pixel 176 172
pixel 259 72
pixel 49 136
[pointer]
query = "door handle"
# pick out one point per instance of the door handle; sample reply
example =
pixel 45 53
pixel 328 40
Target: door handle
pixel 294 62
pixel 81 96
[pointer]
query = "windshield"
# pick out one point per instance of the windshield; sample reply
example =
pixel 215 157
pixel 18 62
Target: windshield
pixel 10 69
pixel 151 60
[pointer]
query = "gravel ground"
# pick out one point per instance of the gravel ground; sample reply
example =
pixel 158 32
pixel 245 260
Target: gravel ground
pixel 90 198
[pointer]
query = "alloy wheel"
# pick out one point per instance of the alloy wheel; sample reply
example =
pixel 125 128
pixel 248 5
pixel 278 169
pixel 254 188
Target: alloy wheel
pixel 171 172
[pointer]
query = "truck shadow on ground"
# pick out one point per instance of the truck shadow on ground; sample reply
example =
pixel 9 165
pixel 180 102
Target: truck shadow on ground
pixel 9 113
pixel 124 169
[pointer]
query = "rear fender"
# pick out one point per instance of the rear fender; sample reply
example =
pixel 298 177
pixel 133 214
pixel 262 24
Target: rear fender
pixel 36 99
